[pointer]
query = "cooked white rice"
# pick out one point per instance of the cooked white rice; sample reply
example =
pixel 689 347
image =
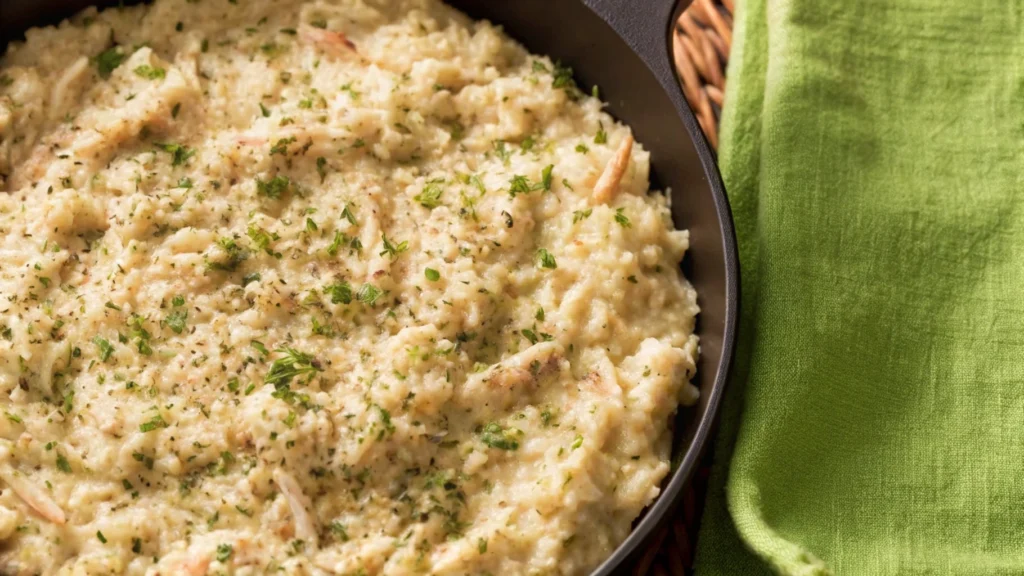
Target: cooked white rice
pixel 324 287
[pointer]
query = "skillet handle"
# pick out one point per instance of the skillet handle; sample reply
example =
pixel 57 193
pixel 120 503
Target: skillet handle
pixel 645 26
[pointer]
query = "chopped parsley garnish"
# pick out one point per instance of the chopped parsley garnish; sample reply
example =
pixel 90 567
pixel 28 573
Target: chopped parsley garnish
pixel 385 420
pixel 281 146
pixel 577 442
pixel 137 545
pixel 352 92
pixel 185 182
pixel 430 197
pixel 138 332
pixel 101 537
pixel 153 423
pixel 233 256
pixel 108 60
pixel 579 215
pixel 539 66
pixel 260 347
pixel 495 436
pixel 475 181
pixel 151 72
pixel 601 137
pixel 508 219
pixel 272 49
pixel 499 149
pixel 224 552
pixel 335 245
pixel 321 168
pixel 289 420
pixel 263 239
pixel 339 531
pixel 179 154
pixel 311 225
pixel 62 464
pixel 264 111
pixel 562 78
pixel 105 347
pixel 348 215
pixel 321 329
pixel 432 275
pixel 392 249
pixel 546 259
pixel 291 365
pixel 456 129
pixel 529 335
pixel 539 315
pixel 274 187
pixel 545 177
pixel 582 148
pixel 13 417
pixel 621 218
pixel 546 417
pixel 146 461
pixel 368 294
pixel 521 185
pixel 341 292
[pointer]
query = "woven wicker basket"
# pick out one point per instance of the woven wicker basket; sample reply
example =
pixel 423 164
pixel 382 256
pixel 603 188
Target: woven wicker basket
pixel 701 41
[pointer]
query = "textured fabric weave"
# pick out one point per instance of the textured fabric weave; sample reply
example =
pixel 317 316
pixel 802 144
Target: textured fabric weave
pixel 874 154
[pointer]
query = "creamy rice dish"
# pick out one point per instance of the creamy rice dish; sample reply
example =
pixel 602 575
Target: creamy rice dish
pixel 324 287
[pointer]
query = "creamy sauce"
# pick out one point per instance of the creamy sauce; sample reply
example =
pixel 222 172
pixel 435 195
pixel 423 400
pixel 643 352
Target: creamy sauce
pixel 324 288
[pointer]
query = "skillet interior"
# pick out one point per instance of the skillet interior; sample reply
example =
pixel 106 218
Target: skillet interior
pixel 641 93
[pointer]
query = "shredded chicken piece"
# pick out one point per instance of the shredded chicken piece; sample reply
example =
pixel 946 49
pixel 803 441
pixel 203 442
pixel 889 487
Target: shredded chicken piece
pixel 608 183
pixel 197 566
pixel 43 154
pixel 33 496
pixel 327 39
pixel 245 552
pixel 62 88
pixel 327 564
pixel 316 140
pixel 305 527
pixel 500 386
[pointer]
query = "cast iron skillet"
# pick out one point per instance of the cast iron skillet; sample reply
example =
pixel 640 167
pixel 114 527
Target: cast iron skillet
pixel 621 46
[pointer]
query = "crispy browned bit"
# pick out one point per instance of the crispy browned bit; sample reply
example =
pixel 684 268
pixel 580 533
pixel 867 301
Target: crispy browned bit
pixel 195 566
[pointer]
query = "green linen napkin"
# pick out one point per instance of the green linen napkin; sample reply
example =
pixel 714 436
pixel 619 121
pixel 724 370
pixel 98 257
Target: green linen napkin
pixel 873 151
